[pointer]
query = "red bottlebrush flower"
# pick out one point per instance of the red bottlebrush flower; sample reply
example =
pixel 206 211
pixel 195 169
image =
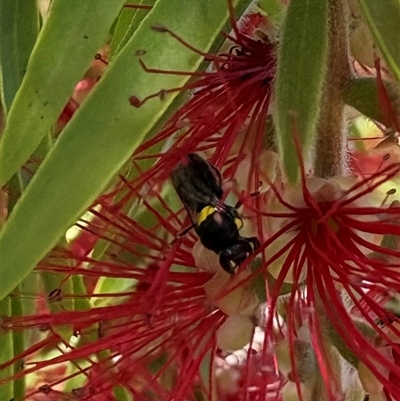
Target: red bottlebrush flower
pixel 227 112
pixel 326 242
pixel 157 318
pixel 164 328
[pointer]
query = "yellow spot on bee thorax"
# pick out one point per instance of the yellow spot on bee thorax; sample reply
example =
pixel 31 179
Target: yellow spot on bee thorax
pixel 209 210
pixel 239 223
pixel 204 213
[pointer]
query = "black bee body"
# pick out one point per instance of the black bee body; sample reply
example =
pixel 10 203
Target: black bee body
pixel 199 186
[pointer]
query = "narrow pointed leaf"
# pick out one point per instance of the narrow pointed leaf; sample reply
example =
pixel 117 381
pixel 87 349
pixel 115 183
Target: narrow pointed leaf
pixel 105 131
pixel 128 22
pixel 121 29
pixel 300 77
pixel 19 344
pixel 19 29
pixel 7 352
pixel 383 18
pixel 72 35
pixel 362 94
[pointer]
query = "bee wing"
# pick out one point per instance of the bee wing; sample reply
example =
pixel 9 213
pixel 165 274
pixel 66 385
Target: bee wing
pixel 197 183
pixel 192 215
pixel 208 173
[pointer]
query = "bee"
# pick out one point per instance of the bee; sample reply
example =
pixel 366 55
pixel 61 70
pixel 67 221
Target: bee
pixel 198 184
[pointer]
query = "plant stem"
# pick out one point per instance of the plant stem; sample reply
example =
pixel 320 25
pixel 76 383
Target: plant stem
pixel 331 145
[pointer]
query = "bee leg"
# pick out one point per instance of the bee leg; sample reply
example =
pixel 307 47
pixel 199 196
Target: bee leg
pixel 226 262
pixel 255 242
pixel 238 204
pixel 182 233
pixel 252 195
pixel 245 245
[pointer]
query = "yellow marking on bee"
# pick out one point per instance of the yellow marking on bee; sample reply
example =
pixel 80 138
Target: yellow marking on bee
pixel 239 223
pixel 204 213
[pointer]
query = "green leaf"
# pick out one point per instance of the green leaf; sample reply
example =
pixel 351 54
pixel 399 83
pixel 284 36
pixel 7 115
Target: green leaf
pixel 271 7
pixel 121 29
pixel 383 18
pixel 362 94
pixel 54 285
pixel 19 29
pixel 300 76
pixel 63 52
pixel 19 343
pixel 128 22
pixel 7 352
pixel 105 131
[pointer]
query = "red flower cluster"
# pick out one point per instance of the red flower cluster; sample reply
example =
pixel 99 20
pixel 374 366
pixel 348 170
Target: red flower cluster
pixel 312 312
